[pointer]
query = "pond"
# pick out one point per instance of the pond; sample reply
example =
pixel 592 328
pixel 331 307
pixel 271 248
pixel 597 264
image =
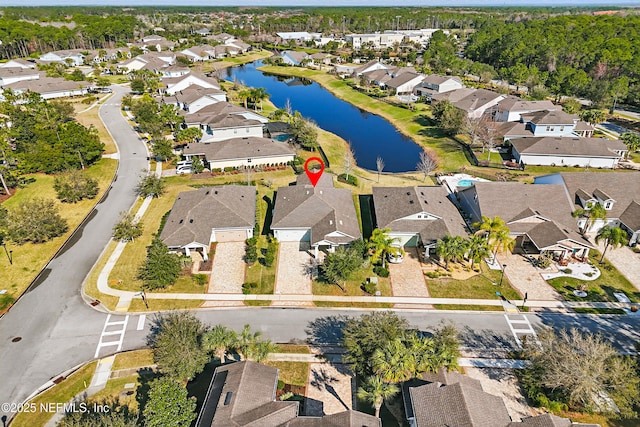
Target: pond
pixel 370 136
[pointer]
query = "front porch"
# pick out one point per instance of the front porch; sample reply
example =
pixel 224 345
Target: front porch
pixel 562 252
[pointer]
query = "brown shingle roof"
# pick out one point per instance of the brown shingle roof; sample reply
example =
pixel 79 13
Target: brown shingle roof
pixel 341 419
pixel 323 208
pixel 436 79
pixel 239 148
pixel 631 216
pixel 401 79
pixel 394 203
pixel 459 404
pixel 548 420
pixel 195 213
pixel 513 103
pixel 47 85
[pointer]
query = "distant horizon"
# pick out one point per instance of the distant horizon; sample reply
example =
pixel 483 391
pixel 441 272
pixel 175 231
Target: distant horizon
pixel 327 3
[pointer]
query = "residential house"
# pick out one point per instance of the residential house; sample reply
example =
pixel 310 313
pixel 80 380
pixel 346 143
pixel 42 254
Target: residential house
pixel 320 215
pixel 199 53
pixel 210 214
pixel 70 57
pixel 177 84
pixel 292 57
pixel 474 102
pixel 451 399
pixel 50 87
pixel 237 46
pixel 155 42
pixel 152 61
pixel 435 83
pixel 173 71
pixel 417 216
pixel 370 66
pixel 10 75
pixel 378 77
pixel 617 192
pixel 538 216
pixel 194 98
pixel 404 83
pixel 577 152
pixel 321 58
pixel 246 152
pixel 298 36
pixel 222 120
pixel 244 394
pixel 550 123
pixel 17 63
pixel 202 32
pixel 375 40
pixel 511 108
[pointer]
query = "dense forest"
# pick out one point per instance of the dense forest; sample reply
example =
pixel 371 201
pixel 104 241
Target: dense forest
pixel 593 56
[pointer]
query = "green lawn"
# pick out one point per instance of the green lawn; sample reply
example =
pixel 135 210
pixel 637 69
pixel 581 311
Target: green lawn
pixel 259 273
pixel 480 286
pixel 60 393
pixel 294 373
pixel 353 288
pixel 292 348
pixel 601 289
pixel 29 259
pixel 133 359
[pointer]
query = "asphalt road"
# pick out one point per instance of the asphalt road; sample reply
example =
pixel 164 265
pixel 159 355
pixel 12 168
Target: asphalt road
pixel 57 329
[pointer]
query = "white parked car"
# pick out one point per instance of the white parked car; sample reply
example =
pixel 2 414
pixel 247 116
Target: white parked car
pixel 183 169
pixel 395 255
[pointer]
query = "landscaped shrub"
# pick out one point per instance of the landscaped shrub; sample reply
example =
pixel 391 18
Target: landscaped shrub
pixel 567 270
pixel 280 385
pixel 247 288
pixel 348 179
pixel 370 287
pixel 381 271
pixel 200 279
pixel 543 261
pixel 270 254
pixel 251 251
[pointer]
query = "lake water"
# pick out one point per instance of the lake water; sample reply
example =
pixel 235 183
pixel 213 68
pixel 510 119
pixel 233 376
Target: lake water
pixel 370 135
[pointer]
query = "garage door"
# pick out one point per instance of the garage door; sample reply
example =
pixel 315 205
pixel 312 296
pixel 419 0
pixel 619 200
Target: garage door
pixel 296 235
pixel 231 236
pixel 405 239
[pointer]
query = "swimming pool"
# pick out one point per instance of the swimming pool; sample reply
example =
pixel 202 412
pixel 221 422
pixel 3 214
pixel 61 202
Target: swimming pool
pixel 465 183
pixel 283 137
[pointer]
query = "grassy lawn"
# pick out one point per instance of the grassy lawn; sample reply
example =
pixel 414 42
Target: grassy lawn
pixel 353 288
pixel 91 118
pixel 259 273
pixel 352 304
pixel 480 286
pixel 467 307
pixel 294 373
pixel 245 58
pixel 164 304
pixel 60 393
pixel 604 421
pixel 602 288
pixel 133 359
pixel 292 348
pixel 29 259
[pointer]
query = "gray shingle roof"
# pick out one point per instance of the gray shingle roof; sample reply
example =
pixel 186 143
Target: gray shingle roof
pixel 555 117
pixel 402 79
pixel 46 85
pixel 436 79
pixel 394 203
pixel 239 148
pixel 459 405
pixel 548 420
pixel 341 419
pixel 631 216
pixel 323 208
pixel 243 394
pixel 513 103
pixel 195 213
pixel 568 146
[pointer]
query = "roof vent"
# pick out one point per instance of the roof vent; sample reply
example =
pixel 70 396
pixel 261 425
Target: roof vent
pixel 191 221
pixel 181 221
pixel 307 191
pixel 330 222
pixel 215 192
pixel 408 193
pixel 207 193
pixel 320 191
pixel 410 202
pixel 227 398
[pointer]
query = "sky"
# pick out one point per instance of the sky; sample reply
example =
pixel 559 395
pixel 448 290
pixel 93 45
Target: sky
pixel 293 3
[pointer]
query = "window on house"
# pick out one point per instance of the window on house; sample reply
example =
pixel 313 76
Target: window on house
pixel 227 398
pixel 549 128
pixel 608 205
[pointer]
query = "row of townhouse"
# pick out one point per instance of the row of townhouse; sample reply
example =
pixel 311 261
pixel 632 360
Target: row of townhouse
pixel 20 76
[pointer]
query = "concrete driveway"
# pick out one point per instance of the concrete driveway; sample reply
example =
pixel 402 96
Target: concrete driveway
pixel 407 279
pixel 227 272
pixel 625 260
pixel 293 276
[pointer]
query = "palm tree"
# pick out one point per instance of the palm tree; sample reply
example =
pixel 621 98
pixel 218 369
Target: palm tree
pixel 376 391
pixel 260 350
pixel 380 243
pixel 593 214
pixel 422 349
pixel 219 340
pixel 244 95
pixel 613 236
pixel 450 248
pixel 394 363
pixel 477 248
pixel 246 341
pixel 258 94
pixel 496 232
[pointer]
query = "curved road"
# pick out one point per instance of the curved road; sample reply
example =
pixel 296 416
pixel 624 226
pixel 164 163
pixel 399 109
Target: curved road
pixel 58 330
pixel 54 324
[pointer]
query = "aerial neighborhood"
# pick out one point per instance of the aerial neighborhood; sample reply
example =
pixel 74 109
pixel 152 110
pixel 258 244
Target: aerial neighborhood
pixel 301 217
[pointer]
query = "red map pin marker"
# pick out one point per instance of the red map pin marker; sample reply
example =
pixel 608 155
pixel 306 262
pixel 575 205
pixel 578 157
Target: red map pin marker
pixel 314 176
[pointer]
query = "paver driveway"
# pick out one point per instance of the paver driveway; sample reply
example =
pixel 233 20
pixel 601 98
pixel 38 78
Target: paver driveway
pixel 329 389
pixel 407 279
pixel 227 273
pixel 625 260
pixel 293 275
pixel 526 278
